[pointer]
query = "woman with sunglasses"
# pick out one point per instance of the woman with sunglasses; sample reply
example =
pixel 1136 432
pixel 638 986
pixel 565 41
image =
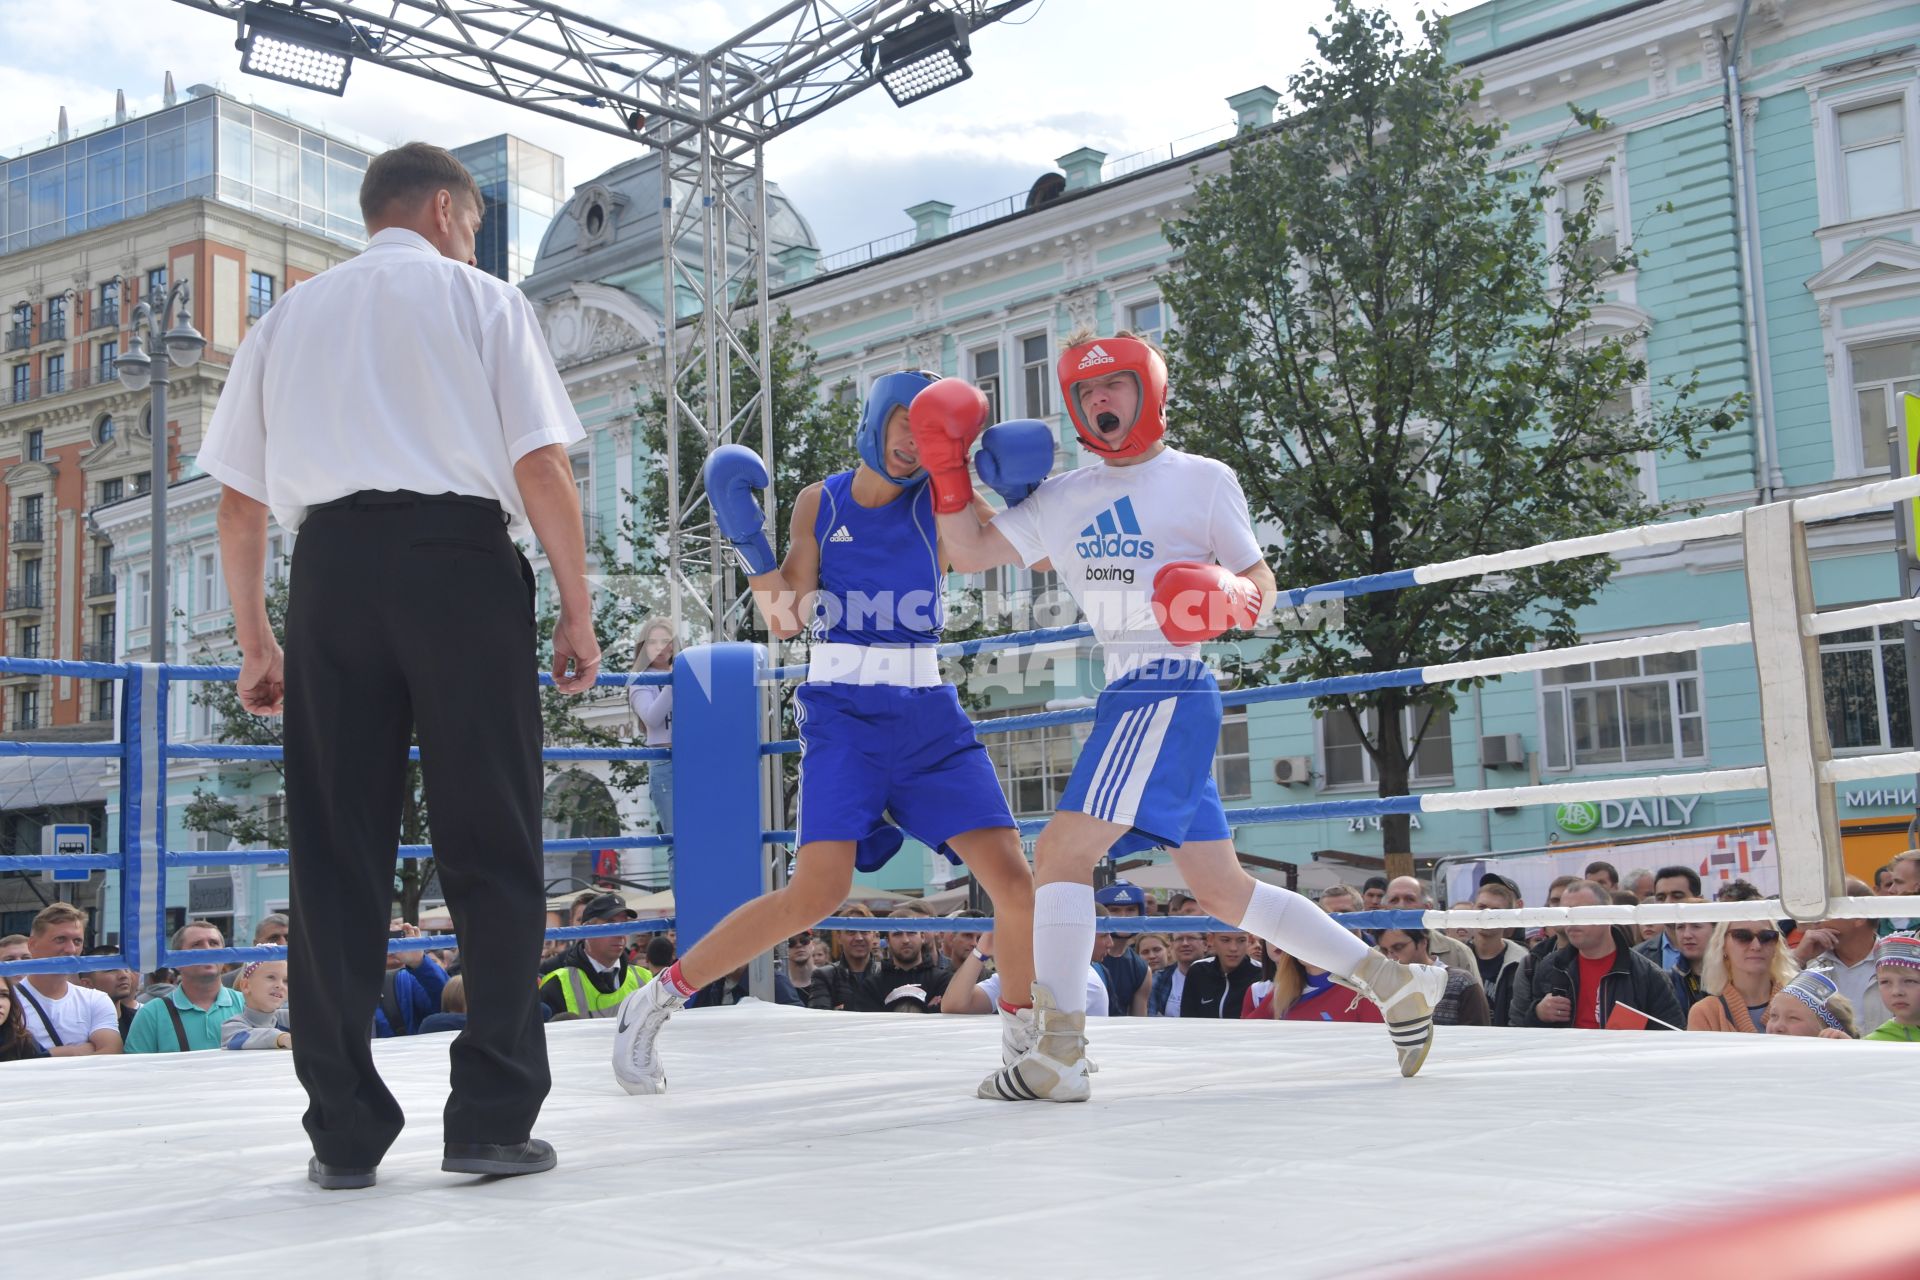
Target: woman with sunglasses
pixel 1747 965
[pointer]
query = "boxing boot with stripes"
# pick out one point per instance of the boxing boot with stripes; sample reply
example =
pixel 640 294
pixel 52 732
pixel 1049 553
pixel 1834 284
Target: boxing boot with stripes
pixel 1055 1068
pixel 1018 1031
pixel 1406 994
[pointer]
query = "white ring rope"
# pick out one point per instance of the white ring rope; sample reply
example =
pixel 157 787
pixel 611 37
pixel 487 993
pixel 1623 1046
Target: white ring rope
pixel 1866 615
pixel 1667 913
pixel 1600 651
pixel 1885 764
pixel 1663 784
pixel 1726 525
pixel 1849 502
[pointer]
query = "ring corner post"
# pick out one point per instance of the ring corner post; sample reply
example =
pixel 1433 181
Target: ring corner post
pixel 718 860
pixel 143 816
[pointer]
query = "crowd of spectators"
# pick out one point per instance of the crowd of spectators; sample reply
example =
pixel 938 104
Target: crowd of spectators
pixel 1834 979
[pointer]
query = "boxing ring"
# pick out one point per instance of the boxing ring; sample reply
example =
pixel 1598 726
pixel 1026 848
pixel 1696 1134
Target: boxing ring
pixel 795 1140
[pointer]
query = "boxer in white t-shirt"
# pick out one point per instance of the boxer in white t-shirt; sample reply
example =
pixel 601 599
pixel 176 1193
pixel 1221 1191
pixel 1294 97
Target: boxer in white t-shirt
pixel 1158 550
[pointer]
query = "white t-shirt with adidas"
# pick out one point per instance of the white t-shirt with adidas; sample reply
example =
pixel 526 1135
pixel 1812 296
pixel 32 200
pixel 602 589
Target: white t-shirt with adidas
pixel 1109 529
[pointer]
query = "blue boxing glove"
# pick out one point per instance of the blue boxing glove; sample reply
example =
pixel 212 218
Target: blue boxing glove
pixel 734 475
pixel 1015 457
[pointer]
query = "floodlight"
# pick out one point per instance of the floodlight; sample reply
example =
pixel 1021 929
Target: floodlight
pixel 297 48
pixel 922 58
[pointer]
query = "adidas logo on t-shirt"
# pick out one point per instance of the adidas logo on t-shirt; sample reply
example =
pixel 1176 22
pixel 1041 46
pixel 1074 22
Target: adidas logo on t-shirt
pixel 841 535
pixel 1115 532
pixel 1096 356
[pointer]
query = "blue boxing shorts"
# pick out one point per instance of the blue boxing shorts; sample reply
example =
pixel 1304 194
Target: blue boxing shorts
pixel 1148 764
pixel 876 753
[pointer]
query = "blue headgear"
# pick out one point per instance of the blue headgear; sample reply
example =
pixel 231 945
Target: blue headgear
pixel 890 391
pixel 1121 893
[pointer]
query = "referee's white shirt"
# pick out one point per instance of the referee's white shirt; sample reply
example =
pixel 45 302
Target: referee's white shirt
pixel 398 369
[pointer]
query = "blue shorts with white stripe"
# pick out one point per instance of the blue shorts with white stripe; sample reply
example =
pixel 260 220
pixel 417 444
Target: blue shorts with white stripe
pixel 1148 764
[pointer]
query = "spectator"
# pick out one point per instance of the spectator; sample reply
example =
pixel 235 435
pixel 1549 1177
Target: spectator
pixel 1170 983
pixel 1465 1002
pixel 1681 951
pixel 1639 882
pixel 1155 950
pixel 1738 891
pixel 652 706
pixel 822 950
pixel 815 989
pixel 954 947
pixel 1373 892
pixel 1675 884
pixel 1625 898
pixel 1341 898
pixel 855 962
pixel 1597 972
pixel 17 1044
pixel 192 1016
pixel 1811 1005
pixel 1604 874
pixel 910 962
pixel 410 993
pixel 262 1022
pixel 660 953
pixel 1216 987
pixel 968 992
pixel 1181 903
pixel 551 948
pixel 1405 894
pixel 732 989
pixel 594 974
pixel 14 947
pixel 116 985
pixel 1843 950
pixel 453 1009
pixel 576 910
pixel 270 932
pixel 68 1020
pixel 1882 885
pixel 1899 959
pixel 1747 966
pixel 1296 992
pixel 1497 957
pixel 1903 881
pixel 1127 976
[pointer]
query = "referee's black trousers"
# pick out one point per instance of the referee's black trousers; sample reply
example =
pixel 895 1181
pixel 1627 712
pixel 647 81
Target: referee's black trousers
pixel 409 613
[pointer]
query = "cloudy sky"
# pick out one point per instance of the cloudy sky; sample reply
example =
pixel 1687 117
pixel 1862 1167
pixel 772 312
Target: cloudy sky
pixel 1120 75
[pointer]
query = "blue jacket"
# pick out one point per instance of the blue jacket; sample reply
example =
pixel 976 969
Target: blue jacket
pixel 416 991
pixel 1162 990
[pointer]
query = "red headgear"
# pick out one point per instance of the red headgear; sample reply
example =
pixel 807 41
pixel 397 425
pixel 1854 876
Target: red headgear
pixel 1085 371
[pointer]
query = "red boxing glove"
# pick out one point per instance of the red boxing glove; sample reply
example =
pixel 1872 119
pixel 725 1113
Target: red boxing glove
pixel 945 419
pixel 1194 603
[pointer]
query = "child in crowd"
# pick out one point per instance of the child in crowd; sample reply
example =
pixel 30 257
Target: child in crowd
pixel 263 1023
pixel 1897 970
pixel 1811 1005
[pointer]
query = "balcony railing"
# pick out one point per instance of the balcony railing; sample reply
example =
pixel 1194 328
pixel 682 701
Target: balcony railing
pixel 59 384
pixel 54 330
pixel 19 337
pixel 23 598
pixel 107 316
pixel 100 715
pixel 27 648
pixel 28 531
pixel 98 651
pixel 101 584
pixel 26 720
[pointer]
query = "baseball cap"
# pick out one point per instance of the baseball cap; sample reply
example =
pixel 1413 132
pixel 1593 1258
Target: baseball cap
pixel 1121 893
pixel 606 908
pixel 1494 877
pixel 910 994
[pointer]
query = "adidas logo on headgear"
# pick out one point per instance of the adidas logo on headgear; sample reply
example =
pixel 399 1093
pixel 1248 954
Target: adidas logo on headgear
pixel 1097 355
pixel 841 535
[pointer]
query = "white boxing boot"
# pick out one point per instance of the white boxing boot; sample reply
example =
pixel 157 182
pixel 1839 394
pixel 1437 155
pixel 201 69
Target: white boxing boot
pixel 635 1063
pixel 1018 1032
pixel 1406 994
pixel 1055 1068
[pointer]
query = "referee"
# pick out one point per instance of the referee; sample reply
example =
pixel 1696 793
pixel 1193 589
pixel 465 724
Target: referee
pixel 402 413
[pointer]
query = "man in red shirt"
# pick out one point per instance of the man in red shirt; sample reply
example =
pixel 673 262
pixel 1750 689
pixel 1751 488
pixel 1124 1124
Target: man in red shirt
pixel 1582 984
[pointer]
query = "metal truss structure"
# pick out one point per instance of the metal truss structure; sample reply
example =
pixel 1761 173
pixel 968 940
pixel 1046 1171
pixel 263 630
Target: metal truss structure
pixel 709 115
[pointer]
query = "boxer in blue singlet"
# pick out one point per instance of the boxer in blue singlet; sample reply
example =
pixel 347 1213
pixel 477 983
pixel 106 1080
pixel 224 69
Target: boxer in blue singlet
pixel 883 738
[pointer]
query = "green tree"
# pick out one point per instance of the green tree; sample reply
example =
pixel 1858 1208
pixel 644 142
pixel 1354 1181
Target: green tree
pixel 1375 334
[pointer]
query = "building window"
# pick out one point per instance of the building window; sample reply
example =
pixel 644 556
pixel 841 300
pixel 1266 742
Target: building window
pixel 109 304
pixel 157 286
pixel 1033 765
pixel 1863 674
pixel 207 571
pixel 30 641
pixel 112 490
pixel 1881 372
pixel 1873 158
pixel 259 294
pixel 1603 236
pixel 22 383
pixel 30 579
pixel 985 365
pixel 21 332
pixel 56 374
pixel 1347 763
pixel 276 557
pixel 143 481
pixel 55 326
pixel 1036 373
pixel 30 508
pixel 1232 765
pixel 109 367
pixel 26 709
pixel 36 446
pixel 140 606
pixel 1625 711
pixel 846 391
pixel 1148 320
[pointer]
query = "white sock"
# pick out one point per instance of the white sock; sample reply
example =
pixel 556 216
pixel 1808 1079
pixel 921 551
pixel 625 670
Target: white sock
pixel 1301 929
pixel 1062 942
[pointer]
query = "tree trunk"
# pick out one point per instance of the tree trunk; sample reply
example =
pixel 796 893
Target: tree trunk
pixel 1392 764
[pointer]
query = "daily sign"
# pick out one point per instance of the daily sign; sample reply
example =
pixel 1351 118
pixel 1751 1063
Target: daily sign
pixel 1614 815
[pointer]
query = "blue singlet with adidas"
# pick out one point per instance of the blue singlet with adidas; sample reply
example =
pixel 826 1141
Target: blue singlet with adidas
pixel 874 753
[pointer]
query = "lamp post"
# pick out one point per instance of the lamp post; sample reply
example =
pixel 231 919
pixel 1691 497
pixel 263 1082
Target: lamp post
pixel 165 323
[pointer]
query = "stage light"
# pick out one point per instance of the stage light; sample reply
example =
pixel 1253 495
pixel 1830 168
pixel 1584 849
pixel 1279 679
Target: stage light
pixel 922 58
pixel 296 48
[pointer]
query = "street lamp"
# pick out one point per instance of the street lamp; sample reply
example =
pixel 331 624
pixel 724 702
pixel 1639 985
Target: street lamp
pixel 166 325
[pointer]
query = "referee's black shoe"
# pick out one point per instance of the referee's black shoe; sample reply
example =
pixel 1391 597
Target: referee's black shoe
pixel 338 1177
pixel 491 1160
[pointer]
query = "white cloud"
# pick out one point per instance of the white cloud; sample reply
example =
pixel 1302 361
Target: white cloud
pixel 1119 75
